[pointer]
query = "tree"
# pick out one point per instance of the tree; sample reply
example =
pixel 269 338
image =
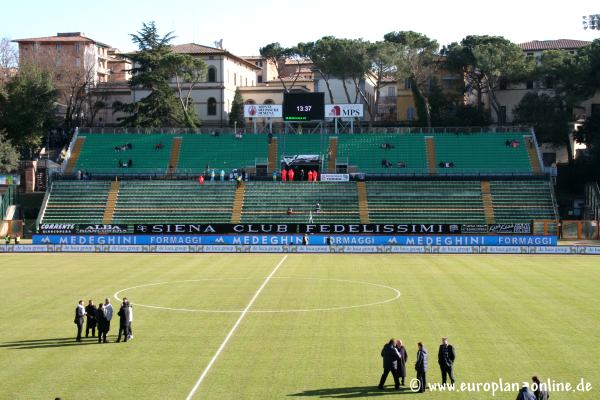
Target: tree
pixel 236 115
pixel 382 57
pixel 27 108
pixel 418 60
pixel 488 61
pixel 548 117
pixel 9 155
pixel 275 54
pixel 318 52
pixel 8 60
pixel 154 66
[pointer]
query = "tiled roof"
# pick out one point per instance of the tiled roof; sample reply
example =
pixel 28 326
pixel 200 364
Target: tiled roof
pixel 559 44
pixel 193 48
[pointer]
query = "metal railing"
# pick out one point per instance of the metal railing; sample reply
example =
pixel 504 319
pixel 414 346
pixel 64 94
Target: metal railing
pixel 8 198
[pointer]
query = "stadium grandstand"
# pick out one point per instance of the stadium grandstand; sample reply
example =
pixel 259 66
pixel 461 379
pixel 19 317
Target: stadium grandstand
pixel 436 177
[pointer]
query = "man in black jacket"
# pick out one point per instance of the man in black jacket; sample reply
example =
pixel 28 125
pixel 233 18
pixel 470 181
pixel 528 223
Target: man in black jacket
pixel 391 357
pixel 446 358
pixel 421 367
pixel 123 314
pixel 90 323
pixel 79 314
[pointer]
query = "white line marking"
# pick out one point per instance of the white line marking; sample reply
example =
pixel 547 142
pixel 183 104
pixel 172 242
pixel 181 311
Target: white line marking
pixel 232 331
pixel 291 310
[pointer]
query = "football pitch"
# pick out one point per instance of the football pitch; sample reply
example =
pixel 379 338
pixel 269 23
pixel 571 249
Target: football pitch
pixel 269 326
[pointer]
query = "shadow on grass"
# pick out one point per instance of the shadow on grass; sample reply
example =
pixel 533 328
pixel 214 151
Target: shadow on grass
pixel 48 343
pixel 351 392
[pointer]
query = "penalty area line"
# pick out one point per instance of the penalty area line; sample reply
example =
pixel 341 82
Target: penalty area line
pixel 233 329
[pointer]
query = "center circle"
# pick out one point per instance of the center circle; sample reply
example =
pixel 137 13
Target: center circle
pixel 308 290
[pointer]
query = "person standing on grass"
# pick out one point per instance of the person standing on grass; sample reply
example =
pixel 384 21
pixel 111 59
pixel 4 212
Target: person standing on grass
pixel 123 314
pixel 90 323
pixel 540 391
pixel 402 361
pixel 108 314
pixel 524 393
pixel 421 367
pixel 390 364
pixel 101 317
pixel 446 358
pixel 79 314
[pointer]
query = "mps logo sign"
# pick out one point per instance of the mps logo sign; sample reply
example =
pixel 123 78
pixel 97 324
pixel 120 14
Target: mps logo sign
pixel 344 111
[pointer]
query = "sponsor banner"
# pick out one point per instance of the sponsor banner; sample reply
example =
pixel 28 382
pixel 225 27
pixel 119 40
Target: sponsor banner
pixel 496 229
pixel 56 228
pixel 565 250
pixel 101 229
pixel 207 229
pixel 337 240
pixel 263 111
pixel 10 179
pixel 335 177
pixel 344 111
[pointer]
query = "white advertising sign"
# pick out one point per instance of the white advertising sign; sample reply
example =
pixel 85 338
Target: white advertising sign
pixel 343 110
pixel 335 177
pixel 263 111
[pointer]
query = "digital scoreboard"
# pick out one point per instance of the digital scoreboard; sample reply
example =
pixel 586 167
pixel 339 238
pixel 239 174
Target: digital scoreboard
pixel 303 106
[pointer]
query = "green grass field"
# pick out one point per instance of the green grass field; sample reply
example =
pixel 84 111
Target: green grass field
pixel 509 317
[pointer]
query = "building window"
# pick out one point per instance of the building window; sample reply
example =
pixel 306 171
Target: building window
pixel 530 55
pixel 212 74
pixel 259 79
pixel 391 91
pixel 58 48
pixel 211 106
pixel 235 79
pixel 269 101
pixel 407 84
pixel 76 47
pixel 246 81
pixel 529 84
pixel 410 114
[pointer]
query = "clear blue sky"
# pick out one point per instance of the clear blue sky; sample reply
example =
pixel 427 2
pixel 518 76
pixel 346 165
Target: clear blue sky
pixel 246 25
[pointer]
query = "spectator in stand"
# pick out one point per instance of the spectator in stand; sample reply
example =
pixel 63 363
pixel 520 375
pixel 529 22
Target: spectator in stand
pixel 201 180
pixel 274 176
pixel 442 164
pixel 291 175
pixel 507 143
pixel 318 208
pixel 401 164
pixel 130 163
pixel 310 175
pixel 212 175
pixel 158 146
pixel 301 174
pixel 315 175
pixel 385 163
pixel 78 174
pixel 290 211
pixel 283 174
pixel 222 175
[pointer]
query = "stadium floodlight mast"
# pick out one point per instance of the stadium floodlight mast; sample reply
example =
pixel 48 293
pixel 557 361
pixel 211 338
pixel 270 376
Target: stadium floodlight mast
pixel 591 22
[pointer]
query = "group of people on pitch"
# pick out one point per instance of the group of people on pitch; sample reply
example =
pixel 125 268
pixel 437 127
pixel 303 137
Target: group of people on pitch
pixel 100 317
pixel 395 358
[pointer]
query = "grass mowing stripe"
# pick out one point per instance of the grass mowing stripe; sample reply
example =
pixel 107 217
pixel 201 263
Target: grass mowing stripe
pixel 233 329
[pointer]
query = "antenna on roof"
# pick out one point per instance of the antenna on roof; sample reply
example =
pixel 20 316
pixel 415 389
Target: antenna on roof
pixel 219 44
